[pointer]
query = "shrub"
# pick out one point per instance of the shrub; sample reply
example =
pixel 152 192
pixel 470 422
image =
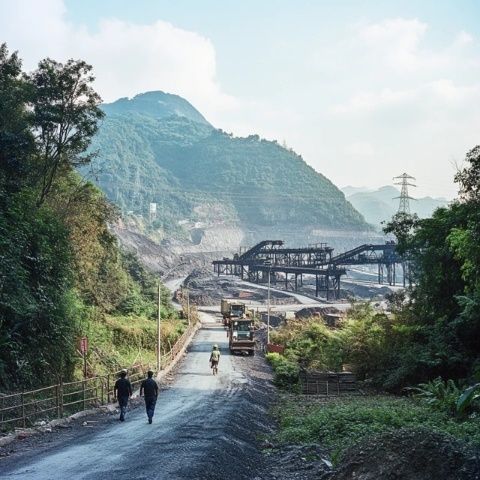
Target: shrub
pixel 339 425
pixel 468 399
pixel 447 396
pixel 438 394
pixel 286 372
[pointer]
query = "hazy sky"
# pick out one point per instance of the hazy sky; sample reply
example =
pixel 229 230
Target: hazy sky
pixel 363 90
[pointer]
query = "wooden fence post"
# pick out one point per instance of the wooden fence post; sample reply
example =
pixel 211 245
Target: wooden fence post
pixel 23 409
pixel 83 392
pixel 108 388
pixel 57 399
pixel 60 397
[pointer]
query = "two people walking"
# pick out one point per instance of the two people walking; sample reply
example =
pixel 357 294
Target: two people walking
pixel 123 392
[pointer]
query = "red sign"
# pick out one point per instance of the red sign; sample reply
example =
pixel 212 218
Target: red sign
pixel 84 345
pixel 271 347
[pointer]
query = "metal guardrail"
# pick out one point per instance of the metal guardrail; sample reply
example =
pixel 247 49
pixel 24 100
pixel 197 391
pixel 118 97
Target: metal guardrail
pixel 56 401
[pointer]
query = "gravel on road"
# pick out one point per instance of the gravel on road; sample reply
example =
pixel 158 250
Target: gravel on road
pixel 205 427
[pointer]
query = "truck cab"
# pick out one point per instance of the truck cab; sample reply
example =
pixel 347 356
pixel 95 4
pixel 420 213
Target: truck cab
pixel 241 336
pixel 232 309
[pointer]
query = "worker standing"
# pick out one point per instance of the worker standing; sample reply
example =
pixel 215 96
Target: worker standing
pixel 149 389
pixel 123 391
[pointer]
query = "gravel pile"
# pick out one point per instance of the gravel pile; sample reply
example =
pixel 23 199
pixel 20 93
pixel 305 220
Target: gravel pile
pixel 410 455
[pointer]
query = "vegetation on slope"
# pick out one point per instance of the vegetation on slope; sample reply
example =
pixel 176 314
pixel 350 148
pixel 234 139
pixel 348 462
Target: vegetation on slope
pixel 182 164
pixel 62 274
pixel 342 423
pixel 434 328
pixel 432 336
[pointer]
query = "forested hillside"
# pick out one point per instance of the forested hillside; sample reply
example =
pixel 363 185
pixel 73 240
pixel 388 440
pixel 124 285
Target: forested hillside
pixel 157 148
pixel 62 274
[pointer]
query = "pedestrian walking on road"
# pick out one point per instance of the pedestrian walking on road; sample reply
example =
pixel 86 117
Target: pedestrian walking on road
pixel 149 389
pixel 215 359
pixel 123 391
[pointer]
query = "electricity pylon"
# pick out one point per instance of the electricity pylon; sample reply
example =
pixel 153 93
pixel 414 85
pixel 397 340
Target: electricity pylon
pixel 404 205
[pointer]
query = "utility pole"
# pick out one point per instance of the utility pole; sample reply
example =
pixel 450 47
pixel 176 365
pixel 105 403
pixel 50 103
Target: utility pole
pixel 159 319
pixel 403 180
pixel 269 264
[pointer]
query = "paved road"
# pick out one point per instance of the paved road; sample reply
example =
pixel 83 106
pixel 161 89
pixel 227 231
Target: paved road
pixel 200 430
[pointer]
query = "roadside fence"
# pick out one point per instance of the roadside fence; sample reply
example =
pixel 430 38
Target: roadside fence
pixel 66 398
pixel 324 383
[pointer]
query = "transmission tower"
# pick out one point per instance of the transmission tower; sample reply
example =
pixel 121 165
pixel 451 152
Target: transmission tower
pixel 403 180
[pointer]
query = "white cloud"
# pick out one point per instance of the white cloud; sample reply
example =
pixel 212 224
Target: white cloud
pixel 463 38
pixel 430 96
pixel 405 75
pixel 370 101
pixel 127 58
pixel 395 41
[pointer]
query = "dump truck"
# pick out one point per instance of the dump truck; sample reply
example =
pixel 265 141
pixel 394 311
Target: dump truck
pixel 240 336
pixel 231 308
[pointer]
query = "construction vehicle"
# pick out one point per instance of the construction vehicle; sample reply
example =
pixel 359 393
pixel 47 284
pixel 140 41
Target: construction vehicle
pixel 240 335
pixel 231 309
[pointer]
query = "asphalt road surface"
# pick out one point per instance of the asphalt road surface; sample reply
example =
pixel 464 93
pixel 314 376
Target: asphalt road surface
pixel 205 427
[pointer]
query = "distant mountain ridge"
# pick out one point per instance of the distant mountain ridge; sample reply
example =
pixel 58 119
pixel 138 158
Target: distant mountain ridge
pixel 381 204
pixel 157 148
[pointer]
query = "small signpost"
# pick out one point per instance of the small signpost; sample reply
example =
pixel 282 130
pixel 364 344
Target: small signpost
pixel 83 350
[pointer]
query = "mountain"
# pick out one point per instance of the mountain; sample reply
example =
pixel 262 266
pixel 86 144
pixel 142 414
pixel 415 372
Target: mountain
pixel 157 105
pixel 381 204
pixel 157 148
pixel 350 190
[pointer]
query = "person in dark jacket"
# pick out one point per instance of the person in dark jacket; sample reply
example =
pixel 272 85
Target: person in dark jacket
pixel 149 389
pixel 123 391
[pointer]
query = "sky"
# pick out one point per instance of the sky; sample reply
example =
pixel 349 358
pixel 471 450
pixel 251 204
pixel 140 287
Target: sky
pixel 363 90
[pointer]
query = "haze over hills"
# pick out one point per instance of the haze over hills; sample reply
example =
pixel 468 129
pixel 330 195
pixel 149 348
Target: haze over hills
pixel 157 148
pixel 380 205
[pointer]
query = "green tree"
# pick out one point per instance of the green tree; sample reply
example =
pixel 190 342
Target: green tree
pixel 46 122
pixel 66 114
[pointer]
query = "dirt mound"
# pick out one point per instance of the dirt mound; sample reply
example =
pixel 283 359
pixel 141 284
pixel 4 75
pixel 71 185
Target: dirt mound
pixel 206 289
pixel 294 462
pixel 410 455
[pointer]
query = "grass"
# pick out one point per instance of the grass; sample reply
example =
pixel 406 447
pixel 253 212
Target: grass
pixel 122 341
pixel 339 424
